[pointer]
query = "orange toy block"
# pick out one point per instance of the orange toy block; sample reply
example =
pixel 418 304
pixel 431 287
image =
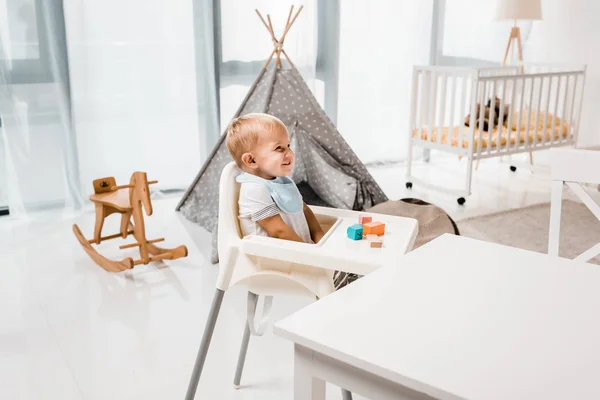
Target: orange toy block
pixel 364 219
pixel 376 244
pixel 374 228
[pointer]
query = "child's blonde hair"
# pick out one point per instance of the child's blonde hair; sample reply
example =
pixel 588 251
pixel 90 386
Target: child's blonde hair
pixel 242 133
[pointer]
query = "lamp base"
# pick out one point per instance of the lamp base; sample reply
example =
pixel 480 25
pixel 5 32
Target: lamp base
pixel 515 35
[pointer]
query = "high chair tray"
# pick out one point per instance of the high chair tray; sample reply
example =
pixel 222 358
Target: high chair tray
pixel 336 251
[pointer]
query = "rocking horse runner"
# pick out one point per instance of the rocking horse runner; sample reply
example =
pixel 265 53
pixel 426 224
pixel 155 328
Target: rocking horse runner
pixel 126 200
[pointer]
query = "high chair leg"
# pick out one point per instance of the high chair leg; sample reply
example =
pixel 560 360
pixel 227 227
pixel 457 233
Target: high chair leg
pixel 242 357
pixel 205 343
pixel 252 302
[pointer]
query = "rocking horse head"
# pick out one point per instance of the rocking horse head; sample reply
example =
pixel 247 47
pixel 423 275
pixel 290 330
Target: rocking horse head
pixel 139 191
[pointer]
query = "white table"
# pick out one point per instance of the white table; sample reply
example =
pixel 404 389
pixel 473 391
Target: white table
pixel 455 319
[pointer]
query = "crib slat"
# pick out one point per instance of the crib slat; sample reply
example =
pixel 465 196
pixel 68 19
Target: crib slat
pixel 473 103
pixel 432 103
pixel 511 112
pixel 452 102
pixel 548 95
pixel 492 97
pixel 413 109
pixel 463 96
pixel 500 119
pixel 554 138
pixel 442 110
pixel 520 115
pixel 423 101
pixel 579 109
pixel 482 92
pixel 564 113
pixel 528 143
pixel 537 112
pixel 572 114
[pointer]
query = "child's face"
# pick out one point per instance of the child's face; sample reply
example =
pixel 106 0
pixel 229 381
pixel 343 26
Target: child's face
pixel 272 155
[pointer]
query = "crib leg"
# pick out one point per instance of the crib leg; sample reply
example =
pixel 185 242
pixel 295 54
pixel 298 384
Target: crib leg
pixel 531 158
pixel 409 161
pixel 427 155
pixel 204 344
pixel 469 175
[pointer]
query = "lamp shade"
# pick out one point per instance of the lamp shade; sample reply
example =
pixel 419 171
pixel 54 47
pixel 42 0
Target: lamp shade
pixel 518 9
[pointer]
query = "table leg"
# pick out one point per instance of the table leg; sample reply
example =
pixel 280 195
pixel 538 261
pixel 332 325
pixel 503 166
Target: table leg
pixel 306 386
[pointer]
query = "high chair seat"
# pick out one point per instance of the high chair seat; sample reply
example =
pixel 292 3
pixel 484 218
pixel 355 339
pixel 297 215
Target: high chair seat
pixel 118 199
pixel 270 267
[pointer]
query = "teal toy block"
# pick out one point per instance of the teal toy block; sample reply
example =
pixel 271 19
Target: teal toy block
pixel 355 232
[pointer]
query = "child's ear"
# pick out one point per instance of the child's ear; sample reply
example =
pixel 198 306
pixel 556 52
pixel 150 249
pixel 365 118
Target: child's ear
pixel 248 160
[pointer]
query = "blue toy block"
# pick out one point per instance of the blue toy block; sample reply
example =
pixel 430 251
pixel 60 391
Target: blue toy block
pixel 355 232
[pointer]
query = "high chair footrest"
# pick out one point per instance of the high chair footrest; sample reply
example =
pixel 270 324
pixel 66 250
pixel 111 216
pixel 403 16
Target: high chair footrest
pixel 251 314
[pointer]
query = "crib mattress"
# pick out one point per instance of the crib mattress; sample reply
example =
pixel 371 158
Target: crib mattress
pixel 507 136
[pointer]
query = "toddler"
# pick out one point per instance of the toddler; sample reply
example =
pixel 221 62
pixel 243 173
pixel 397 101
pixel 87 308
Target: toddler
pixel 270 204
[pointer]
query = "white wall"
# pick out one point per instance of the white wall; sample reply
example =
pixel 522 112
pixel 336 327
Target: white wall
pixel 569 33
pixel 379 44
pixel 133 85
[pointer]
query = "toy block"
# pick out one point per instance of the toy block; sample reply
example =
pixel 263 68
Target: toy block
pixel 355 232
pixel 374 228
pixel 377 244
pixel 364 219
pixel 371 237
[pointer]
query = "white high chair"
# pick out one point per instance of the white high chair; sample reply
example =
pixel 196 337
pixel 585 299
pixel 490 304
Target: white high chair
pixel 268 266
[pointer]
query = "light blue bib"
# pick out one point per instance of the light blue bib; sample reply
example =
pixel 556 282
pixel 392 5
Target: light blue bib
pixel 283 191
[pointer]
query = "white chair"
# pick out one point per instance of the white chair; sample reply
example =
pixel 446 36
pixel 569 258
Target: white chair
pixel 261 275
pixel 572 167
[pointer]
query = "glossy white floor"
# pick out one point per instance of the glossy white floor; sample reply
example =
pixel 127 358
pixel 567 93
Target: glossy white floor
pixel 70 330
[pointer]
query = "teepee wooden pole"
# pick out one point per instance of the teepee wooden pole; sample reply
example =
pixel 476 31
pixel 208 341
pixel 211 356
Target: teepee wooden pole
pixel 271 31
pixel 269 59
pixel 287 29
pixel 287 58
pixel 287 23
pixel 262 19
pixel 278 44
pixel 272 37
pixel 275 43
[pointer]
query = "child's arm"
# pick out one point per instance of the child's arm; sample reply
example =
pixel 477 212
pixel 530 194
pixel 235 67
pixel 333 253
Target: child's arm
pixel 316 232
pixel 276 228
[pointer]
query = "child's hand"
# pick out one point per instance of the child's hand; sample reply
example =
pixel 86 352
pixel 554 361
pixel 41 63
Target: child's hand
pixel 316 232
pixel 277 228
pixel 317 236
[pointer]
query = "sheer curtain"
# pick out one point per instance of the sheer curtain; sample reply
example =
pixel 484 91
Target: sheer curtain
pixel 379 44
pixel 141 98
pixel 36 140
pixel 102 88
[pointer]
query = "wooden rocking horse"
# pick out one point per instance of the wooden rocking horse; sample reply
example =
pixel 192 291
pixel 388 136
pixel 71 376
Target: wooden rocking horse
pixel 126 200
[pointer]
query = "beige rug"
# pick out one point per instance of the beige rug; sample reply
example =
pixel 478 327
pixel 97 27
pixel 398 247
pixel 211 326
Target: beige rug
pixel 527 228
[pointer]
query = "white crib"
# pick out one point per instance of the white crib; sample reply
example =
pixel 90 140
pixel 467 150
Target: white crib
pixel 544 109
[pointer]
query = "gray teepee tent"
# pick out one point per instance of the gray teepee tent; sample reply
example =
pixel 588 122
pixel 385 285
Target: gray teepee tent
pixel 327 171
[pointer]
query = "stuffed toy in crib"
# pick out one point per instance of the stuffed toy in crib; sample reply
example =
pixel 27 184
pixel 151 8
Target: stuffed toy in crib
pixel 519 120
pixel 486 115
